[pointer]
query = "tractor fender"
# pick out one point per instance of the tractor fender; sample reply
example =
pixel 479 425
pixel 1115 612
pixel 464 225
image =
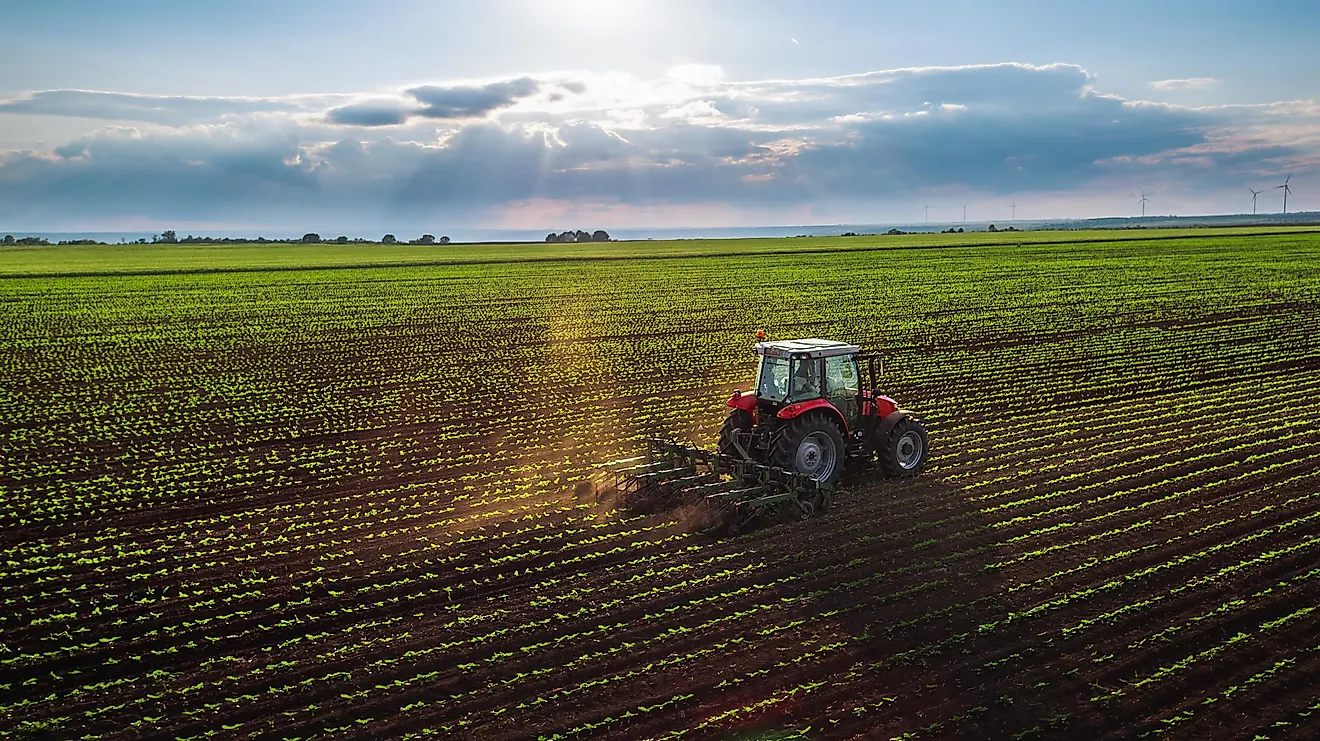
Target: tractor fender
pixel 887 424
pixel 744 400
pixel 802 407
pixel 877 405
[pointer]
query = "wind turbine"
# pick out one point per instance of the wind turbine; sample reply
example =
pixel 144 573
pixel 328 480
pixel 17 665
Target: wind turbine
pixel 1143 204
pixel 1255 193
pixel 1286 191
pixel 1014 210
pixel 927 213
pixel 964 213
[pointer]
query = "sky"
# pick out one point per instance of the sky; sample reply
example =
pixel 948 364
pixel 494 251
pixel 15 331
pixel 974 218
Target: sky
pixel 347 116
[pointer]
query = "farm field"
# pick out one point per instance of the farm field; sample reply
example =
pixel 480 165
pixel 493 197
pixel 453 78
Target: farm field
pixel 245 498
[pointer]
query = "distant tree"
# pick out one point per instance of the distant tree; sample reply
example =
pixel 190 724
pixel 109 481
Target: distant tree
pixel 960 231
pixel 567 237
pixel 169 237
pixel 426 239
pixel 552 237
pixel 600 235
pixel 444 240
pixel 341 240
pixel 581 236
pixel 311 238
pixel 992 228
pixel 9 239
pixel 389 239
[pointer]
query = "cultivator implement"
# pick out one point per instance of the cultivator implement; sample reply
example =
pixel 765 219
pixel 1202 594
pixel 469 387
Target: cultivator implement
pixel 722 492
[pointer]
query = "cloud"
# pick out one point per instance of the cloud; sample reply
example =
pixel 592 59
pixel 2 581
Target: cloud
pixel 369 114
pixel 696 74
pixel 1189 83
pixel 690 143
pixel 169 110
pixel 446 102
pixel 471 101
pixel 428 101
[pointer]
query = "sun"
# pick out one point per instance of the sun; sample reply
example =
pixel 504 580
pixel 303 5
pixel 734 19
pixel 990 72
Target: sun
pixel 597 15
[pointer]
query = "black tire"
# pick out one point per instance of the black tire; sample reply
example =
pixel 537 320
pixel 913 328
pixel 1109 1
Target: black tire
pixel 905 450
pixel 739 420
pixel 790 454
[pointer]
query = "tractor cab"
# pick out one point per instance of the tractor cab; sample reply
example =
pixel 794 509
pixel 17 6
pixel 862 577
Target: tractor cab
pixel 796 371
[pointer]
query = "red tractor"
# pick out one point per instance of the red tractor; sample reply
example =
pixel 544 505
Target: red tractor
pixel 784 445
pixel 811 413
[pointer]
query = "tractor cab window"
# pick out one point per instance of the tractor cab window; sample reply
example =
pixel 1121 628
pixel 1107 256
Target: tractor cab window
pixel 772 379
pixel 806 379
pixel 843 387
pixel 781 379
pixel 841 376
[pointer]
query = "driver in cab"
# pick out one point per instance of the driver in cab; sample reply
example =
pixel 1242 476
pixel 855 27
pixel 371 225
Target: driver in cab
pixel 805 383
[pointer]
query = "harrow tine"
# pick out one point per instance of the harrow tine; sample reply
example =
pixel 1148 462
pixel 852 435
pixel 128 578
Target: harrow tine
pixel 736 495
pixel 668 489
pixel 700 491
pixel 655 477
pixel 641 467
pixel 688 482
pixel 713 515
pixel 719 491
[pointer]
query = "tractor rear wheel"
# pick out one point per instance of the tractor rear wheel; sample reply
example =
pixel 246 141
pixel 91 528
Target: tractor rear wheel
pixel 739 420
pixel 811 445
pixel 904 451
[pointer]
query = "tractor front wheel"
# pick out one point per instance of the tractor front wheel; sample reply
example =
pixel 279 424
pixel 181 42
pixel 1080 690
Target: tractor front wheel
pixel 904 451
pixel 811 445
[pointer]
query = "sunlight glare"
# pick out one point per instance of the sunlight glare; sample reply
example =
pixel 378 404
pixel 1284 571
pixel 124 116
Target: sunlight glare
pixel 598 16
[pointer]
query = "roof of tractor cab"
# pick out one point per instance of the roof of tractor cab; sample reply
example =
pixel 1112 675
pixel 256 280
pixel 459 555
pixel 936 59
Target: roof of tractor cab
pixel 810 347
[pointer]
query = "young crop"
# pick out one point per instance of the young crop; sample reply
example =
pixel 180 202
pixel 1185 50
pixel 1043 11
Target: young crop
pixel 315 503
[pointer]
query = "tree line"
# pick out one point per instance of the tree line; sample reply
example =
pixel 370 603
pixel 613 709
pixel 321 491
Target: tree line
pixel 169 236
pixel 9 241
pixel 600 235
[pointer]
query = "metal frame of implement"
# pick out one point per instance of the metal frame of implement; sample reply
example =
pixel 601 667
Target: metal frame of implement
pixel 734 491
